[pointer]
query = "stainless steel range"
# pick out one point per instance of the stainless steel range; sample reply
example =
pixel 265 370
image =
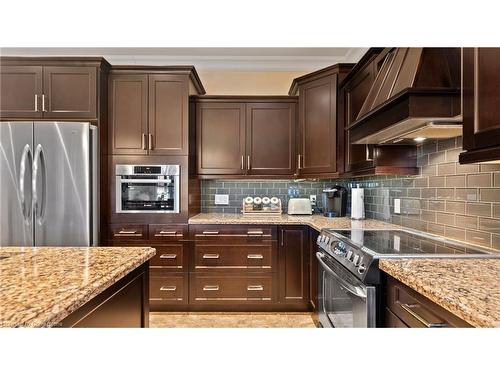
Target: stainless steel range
pixel 349 277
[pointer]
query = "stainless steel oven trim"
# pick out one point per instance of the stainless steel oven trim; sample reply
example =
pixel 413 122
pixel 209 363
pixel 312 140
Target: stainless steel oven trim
pixel 356 291
pixel 119 181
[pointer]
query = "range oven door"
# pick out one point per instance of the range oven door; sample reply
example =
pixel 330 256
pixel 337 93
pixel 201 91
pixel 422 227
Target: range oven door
pixel 343 300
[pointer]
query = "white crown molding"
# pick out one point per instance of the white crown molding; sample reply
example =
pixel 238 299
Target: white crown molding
pixel 231 59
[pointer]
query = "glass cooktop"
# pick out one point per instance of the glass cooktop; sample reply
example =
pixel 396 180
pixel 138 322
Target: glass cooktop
pixel 403 242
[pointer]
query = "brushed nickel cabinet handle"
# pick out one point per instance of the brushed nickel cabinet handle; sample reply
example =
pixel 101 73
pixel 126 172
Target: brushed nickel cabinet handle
pixel 255 233
pixel 43 103
pixel 255 287
pixel 168 256
pixel 298 161
pixel 168 288
pixel 255 256
pixel 282 235
pixel 212 288
pixel 211 256
pixel 210 232
pixel 143 141
pixel 127 233
pixel 150 141
pixel 165 233
pixel 248 162
pixel 421 319
pixel 242 162
pixel 36 103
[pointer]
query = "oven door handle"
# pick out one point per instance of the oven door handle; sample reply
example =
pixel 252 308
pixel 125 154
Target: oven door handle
pixel 144 180
pixel 346 286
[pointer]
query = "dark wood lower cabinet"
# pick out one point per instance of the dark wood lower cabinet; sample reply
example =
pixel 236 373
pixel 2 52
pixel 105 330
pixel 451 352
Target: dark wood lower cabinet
pixel 123 305
pixel 405 307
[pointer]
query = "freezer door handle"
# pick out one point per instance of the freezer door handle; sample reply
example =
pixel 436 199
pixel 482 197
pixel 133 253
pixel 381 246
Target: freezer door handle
pixel 39 205
pixel 26 156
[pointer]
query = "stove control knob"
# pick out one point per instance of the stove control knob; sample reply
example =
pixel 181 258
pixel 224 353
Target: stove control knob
pixel 356 260
pixel 361 268
pixel 349 255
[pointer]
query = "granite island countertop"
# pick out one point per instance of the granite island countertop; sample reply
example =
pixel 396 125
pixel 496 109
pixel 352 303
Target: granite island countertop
pixel 317 222
pixel 40 286
pixel 468 288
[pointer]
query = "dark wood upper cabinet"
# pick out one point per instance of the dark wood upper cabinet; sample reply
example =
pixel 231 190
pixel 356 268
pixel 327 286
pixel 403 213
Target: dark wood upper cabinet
pixel 69 92
pixel 294 267
pixel 317 152
pixel 246 136
pixel 168 114
pixel 128 114
pixel 220 129
pixel 21 91
pixel 270 138
pixel 481 105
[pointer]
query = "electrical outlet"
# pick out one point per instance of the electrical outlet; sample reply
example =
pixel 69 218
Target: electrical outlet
pixel 312 198
pixel 397 205
pixel 222 199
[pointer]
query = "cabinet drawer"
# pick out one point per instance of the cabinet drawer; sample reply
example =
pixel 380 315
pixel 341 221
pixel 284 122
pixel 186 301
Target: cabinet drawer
pixel 165 288
pixel 128 232
pixel 233 233
pixel 416 311
pixel 226 287
pixel 166 232
pixel 214 256
pixel 171 256
pixel 392 321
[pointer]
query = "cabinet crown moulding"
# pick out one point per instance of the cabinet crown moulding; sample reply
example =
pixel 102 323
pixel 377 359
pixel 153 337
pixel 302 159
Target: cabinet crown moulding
pixel 333 69
pixel 56 61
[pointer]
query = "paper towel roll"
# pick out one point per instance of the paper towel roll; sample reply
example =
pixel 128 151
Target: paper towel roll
pixel 357 203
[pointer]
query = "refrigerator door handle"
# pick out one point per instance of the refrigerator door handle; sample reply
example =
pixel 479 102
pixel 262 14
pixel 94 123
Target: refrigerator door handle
pixel 26 155
pixel 39 161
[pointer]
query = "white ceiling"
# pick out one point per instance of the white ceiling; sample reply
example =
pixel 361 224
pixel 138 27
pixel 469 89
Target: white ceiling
pixel 250 59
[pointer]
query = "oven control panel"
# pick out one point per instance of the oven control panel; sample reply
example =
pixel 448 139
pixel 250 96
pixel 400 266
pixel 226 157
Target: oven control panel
pixel 354 259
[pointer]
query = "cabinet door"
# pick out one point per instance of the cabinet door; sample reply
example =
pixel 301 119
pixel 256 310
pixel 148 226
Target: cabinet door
pixel 128 120
pixel 168 114
pixel 318 126
pixel 270 138
pixel 220 129
pixel 20 91
pixel 69 92
pixel 481 98
pixel 294 275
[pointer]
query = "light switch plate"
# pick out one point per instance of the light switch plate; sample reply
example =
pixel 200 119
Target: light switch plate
pixel 221 199
pixel 312 198
pixel 397 205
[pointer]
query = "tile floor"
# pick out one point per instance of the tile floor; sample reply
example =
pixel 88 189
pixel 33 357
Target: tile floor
pixel 230 320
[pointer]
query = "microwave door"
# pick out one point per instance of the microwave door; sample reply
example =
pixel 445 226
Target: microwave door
pixel 16 162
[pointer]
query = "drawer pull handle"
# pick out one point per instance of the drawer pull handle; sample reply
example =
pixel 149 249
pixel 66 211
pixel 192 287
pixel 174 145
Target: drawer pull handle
pixel 421 319
pixel 255 233
pixel 210 256
pixel 212 288
pixel 255 256
pixel 210 232
pixel 168 256
pixel 255 287
pixel 165 233
pixel 168 288
pixel 127 233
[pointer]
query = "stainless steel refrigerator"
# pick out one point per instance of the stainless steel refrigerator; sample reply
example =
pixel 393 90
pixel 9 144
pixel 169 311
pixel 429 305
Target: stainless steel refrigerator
pixel 48 184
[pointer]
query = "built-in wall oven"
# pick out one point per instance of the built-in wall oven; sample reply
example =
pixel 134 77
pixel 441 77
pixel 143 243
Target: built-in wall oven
pixel 147 188
pixel 343 300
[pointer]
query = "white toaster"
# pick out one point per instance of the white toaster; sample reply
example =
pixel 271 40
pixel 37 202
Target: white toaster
pixel 299 206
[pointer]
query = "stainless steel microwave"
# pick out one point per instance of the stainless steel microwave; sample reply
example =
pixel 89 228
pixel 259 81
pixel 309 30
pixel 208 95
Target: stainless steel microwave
pixel 147 188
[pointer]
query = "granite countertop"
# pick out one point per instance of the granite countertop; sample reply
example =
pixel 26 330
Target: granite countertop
pixel 317 222
pixel 40 286
pixel 468 288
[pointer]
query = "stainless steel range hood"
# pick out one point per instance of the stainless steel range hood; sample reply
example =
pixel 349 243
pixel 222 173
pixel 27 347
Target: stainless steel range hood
pixel 415 95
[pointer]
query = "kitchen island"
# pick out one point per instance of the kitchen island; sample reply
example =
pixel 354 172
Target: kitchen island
pixel 74 286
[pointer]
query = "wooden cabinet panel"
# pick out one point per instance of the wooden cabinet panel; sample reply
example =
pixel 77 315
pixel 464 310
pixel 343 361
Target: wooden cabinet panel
pixel 168 114
pixel 221 138
pixel 481 104
pixel 171 256
pixel 167 288
pixel 270 138
pixel 223 288
pixel 70 92
pixel 167 232
pixel 294 275
pixel 318 126
pixel 392 321
pixel 127 232
pixel 230 233
pixel 313 269
pixel 128 114
pixel 20 91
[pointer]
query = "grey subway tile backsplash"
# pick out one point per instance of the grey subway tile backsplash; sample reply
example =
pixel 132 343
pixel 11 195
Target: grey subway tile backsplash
pixel 446 198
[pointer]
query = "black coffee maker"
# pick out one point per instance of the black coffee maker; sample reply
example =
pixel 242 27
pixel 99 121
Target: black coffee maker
pixel 335 201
